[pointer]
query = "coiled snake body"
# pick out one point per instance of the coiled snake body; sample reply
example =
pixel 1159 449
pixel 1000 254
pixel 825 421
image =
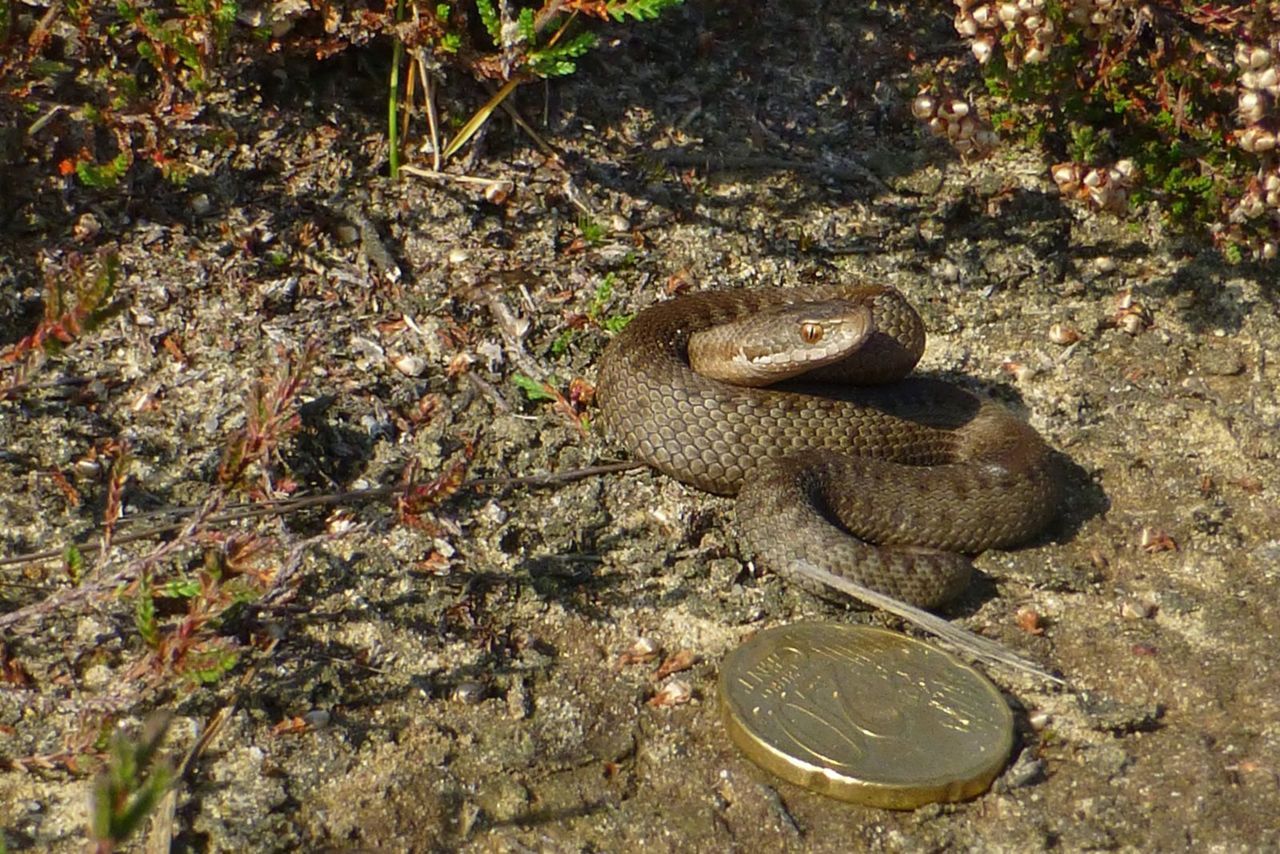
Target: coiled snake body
pixel 890 484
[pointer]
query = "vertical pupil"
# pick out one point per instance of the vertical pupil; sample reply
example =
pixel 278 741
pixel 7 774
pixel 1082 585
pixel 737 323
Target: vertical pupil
pixel 811 332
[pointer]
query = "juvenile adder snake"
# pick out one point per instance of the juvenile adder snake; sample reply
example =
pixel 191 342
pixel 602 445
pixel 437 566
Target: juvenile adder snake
pixel 888 481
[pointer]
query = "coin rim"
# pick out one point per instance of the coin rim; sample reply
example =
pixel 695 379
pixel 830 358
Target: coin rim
pixel 825 781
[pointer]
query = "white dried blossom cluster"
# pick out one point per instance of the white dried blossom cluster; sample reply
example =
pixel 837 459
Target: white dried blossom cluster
pixel 1104 187
pixel 1098 18
pixel 1259 90
pixel 956 121
pixel 1258 115
pixel 985 23
pixel 1261 204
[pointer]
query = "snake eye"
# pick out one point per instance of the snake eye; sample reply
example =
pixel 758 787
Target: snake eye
pixel 811 332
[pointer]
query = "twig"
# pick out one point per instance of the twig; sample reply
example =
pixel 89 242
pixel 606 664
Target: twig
pixel 553 477
pixel 963 640
pixel 20 387
pixel 293 505
pixel 842 170
pixel 461 179
pixel 481 116
pixel 62 598
pixel 543 146
pixel 39 124
pixel 429 98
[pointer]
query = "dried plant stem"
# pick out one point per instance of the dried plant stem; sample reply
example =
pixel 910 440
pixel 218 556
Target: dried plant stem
pixel 481 116
pixel 429 101
pixel 843 169
pixel 134 569
pixel 543 146
pixel 294 505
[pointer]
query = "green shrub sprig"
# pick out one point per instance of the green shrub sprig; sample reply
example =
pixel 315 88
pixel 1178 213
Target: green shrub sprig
pixel 1167 102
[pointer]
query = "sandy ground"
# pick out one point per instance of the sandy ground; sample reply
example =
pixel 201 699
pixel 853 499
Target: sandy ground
pixel 462 688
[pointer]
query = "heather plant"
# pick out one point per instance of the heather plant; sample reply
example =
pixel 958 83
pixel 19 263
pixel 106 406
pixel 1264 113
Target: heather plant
pixel 109 88
pixel 1168 102
pixel 131 784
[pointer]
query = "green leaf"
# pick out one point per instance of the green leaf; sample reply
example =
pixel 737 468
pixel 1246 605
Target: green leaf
pixel 559 60
pixel 592 231
pixel 640 10
pixel 533 389
pixel 181 588
pixel 131 785
pixel 144 616
pixel 94 301
pixel 74 562
pixel 527 31
pixel 604 291
pixel 489 17
pixel 49 67
pixel 212 665
pixel 560 346
pixel 103 176
pixel 617 323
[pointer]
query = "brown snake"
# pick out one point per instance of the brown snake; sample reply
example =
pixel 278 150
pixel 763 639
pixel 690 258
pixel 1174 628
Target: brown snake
pixel 890 484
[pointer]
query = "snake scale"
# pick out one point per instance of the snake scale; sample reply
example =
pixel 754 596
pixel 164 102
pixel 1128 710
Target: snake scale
pixel 885 480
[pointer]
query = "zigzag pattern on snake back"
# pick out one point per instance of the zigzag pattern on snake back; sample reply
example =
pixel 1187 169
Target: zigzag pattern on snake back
pixel 890 484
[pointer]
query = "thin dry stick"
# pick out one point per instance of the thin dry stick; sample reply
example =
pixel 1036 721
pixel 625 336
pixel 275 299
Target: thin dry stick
pixel 131 571
pixel 61 382
pixel 460 179
pixel 842 170
pixel 962 639
pixel 280 585
pixel 294 505
pixel 481 116
pixel 406 106
pixel 543 146
pixel 429 99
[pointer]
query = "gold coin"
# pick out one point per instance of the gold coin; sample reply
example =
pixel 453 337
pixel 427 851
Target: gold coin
pixel 865 715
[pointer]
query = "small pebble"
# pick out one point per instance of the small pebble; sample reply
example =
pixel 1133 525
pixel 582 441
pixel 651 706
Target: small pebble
pixel 1132 324
pixel 410 365
pixel 497 193
pixel 1132 608
pixel 86 228
pixel 1029 620
pixel 644 648
pixel 469 692
pixel 88 467
pixel 494 513
pixel 458 256
pixel 1027 771
pixel 677 692
pixel 346 233
pixel 1060 333
pixel 200 204
pixel 317 718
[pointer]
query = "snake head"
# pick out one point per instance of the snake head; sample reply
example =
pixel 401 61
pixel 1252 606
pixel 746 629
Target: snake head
pixel 780 343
